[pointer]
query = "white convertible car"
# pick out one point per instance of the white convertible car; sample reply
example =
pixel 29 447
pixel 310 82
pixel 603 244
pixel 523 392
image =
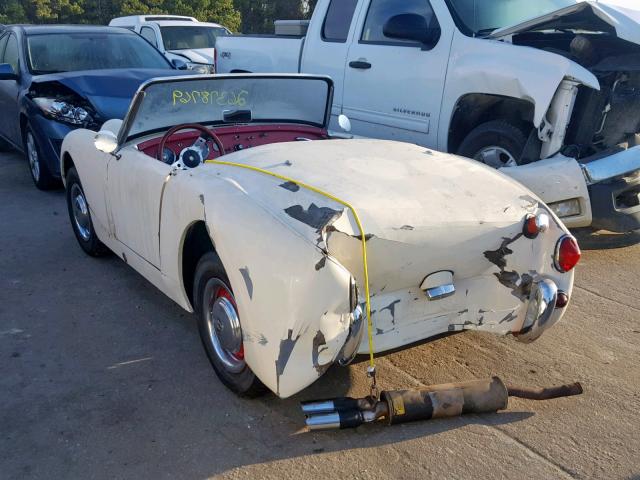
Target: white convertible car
pixel 229 195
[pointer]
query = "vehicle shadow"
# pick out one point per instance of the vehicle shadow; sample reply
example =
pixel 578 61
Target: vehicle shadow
pixel 603 240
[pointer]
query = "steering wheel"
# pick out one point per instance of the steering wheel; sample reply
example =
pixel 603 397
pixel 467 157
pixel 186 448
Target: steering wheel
pixel 206 135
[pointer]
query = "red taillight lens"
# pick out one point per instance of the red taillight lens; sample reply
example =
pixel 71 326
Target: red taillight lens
pixel 536 224
pixel 567 254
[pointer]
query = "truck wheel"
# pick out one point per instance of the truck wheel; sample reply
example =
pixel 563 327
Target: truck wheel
pixel 80 217
pixel 220 329
pixel 37 166
pixel 497 144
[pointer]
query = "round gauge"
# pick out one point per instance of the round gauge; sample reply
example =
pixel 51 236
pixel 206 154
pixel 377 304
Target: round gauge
pixel 168 156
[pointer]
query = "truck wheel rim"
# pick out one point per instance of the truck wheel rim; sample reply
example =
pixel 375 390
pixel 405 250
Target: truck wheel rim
pixel 81 216
pixel 496 157
pixel 32 155
pixel 223 325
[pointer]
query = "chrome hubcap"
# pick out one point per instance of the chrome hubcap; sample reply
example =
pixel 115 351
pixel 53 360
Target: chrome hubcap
pixel 496 157
pixel 32 155
pixel 81 216
pixel 223 325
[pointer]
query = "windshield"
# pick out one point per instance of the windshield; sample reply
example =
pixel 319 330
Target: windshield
pixel 484 16
pixel 162 104
pixel 188 38
pixel 69 52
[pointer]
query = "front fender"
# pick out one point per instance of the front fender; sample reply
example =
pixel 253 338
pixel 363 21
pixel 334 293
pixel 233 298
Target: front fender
pixel 482 66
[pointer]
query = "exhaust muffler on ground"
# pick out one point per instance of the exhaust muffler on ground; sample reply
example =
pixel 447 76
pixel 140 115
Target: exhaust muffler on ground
pixel 437 401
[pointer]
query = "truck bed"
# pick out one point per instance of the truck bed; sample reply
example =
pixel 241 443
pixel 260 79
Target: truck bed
pixel 259 53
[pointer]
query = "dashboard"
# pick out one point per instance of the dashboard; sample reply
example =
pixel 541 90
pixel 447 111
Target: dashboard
pixel 236 138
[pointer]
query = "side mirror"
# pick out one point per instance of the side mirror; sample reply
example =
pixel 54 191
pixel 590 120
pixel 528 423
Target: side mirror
pixel 7 72
pixel 345 123
pixel 106 141
pixel 411 26
pixel 179 64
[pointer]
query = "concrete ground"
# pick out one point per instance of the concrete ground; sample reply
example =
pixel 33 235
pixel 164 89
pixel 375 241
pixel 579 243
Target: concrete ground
pixel 101 376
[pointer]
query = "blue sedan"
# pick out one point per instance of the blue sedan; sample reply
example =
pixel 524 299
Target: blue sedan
pixel 54 79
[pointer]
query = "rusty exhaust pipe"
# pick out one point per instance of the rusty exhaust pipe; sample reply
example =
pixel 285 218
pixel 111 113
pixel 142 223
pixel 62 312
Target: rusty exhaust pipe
pixel 437 401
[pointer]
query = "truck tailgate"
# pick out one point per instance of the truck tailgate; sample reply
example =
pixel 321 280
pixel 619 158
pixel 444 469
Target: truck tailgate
pixel 259 54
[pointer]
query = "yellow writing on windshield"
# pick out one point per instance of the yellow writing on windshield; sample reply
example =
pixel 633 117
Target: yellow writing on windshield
pixel 222 98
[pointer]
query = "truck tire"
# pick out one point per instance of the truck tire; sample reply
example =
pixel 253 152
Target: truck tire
pixel 496 143
pixel 220 329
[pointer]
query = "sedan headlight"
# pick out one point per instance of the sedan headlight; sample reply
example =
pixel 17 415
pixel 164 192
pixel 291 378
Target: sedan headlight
pixel 63 111
pixel 202 68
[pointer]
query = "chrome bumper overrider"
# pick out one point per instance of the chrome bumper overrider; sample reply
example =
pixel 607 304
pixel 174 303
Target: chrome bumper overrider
pixel 541 308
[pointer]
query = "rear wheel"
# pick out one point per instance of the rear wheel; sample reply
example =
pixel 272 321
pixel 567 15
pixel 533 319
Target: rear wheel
pixel 80 217
pixel 497 144
pixel 37 166
pixel 220 329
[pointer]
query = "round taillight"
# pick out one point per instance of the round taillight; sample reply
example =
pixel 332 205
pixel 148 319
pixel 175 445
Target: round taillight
pixel 536 224
pixel 567 254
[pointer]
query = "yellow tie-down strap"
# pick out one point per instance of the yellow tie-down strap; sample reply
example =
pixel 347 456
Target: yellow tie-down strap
pixel 358 222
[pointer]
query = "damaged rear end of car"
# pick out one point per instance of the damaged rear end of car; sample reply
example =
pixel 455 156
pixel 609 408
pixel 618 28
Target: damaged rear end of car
pixel 452 245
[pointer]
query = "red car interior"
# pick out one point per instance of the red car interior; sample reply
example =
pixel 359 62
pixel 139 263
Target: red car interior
pixel 236 138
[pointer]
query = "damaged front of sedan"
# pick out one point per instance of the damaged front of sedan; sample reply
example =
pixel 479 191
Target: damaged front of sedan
pixel 54 79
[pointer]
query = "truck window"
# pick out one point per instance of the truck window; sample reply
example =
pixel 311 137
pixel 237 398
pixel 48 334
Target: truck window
pixel 149 35
pixel 338 20
pixel 380 11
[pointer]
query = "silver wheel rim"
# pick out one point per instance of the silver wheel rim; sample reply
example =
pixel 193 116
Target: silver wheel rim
pixel 223 326
pixel 80 209
pixel 32 155
pixel 496 157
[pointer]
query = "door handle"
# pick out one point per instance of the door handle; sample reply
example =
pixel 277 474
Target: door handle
pixel 360 64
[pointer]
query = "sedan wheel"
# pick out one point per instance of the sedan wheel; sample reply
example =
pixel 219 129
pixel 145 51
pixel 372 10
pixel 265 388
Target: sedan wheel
pixel 32 156
pixel 37 166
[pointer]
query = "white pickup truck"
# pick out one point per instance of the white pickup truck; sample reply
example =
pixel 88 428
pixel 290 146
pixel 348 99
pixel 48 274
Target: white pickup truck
pixel 547 90
pixel 184 41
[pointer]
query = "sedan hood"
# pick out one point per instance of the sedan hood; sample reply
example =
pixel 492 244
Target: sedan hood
pixel 109 91
pixel 416 205
pixel 197 55
pixel 586 16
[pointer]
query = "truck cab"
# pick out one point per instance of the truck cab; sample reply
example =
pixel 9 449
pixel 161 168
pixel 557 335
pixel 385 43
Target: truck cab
pixel 536 89
pixel 183 40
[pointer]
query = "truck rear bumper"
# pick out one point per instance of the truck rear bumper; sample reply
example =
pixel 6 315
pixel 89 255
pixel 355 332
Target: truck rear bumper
pixel 614 188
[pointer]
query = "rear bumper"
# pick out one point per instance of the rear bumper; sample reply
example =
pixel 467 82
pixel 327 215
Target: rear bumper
pixel 614 189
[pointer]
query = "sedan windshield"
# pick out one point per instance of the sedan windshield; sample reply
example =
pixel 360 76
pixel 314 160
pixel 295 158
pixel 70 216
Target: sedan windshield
pixel 233 99
pixel 188 38
pixel 70 52
pixel 483 16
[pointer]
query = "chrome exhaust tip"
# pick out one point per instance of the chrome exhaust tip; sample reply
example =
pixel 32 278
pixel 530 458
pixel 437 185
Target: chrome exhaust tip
pixel 326 421
pixel 313 408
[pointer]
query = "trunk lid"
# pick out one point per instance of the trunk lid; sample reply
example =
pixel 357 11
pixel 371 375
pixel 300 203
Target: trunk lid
pixel 422 211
